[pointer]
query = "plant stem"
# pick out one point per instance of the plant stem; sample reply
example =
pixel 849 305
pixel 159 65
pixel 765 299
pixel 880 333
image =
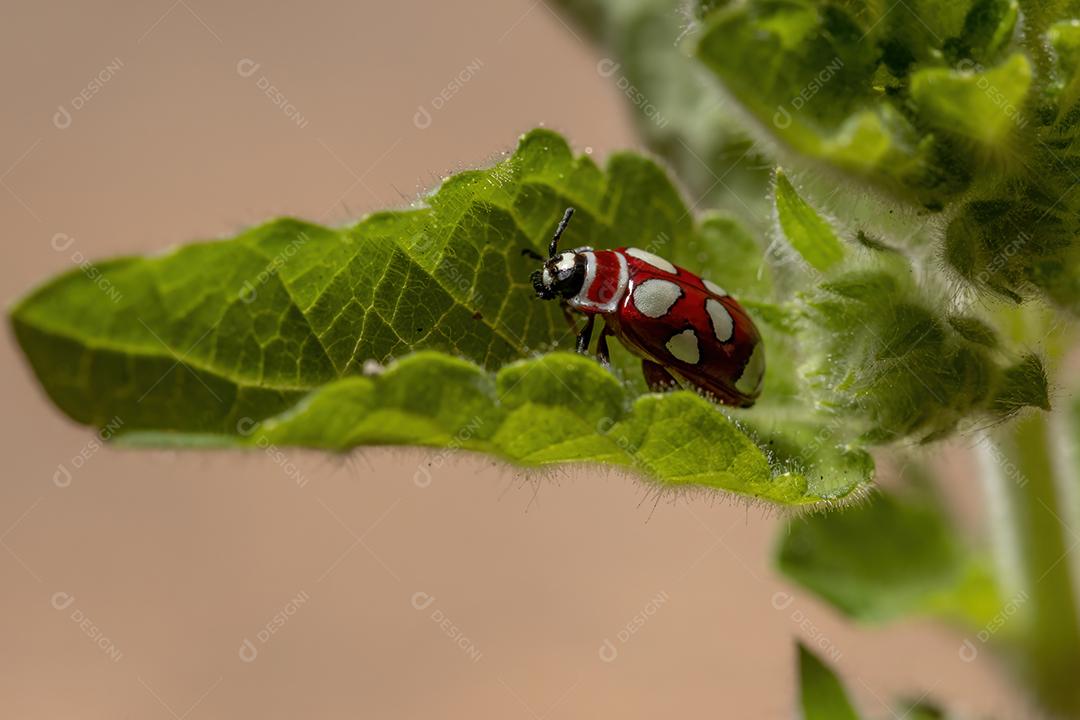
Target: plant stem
pixel 1031 515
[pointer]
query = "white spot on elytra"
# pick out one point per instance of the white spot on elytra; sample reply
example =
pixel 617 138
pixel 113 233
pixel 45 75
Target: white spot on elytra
pixel 655 260
pixel 714 288
pixel 750 380
pixel 684 346
pixel 722 324
pixel 653 298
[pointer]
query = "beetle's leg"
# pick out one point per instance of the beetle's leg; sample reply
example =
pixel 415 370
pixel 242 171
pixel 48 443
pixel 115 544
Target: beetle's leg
pixel 530 253
pixel 585 336
pixel 602 352
pixel 657 377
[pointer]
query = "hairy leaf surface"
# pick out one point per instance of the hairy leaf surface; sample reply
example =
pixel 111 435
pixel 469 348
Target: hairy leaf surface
pixel 278 336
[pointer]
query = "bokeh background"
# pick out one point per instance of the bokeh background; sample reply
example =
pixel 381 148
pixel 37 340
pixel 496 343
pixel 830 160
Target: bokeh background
pixel 395 583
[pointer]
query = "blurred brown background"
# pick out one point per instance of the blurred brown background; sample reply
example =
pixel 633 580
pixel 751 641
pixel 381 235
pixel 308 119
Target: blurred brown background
pixel 192 585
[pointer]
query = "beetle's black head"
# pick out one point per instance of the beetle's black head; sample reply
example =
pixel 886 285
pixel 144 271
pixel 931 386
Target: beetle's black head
pixel 563 274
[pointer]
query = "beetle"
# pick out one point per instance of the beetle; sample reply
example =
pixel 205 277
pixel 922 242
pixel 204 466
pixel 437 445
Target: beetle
pixel 686 330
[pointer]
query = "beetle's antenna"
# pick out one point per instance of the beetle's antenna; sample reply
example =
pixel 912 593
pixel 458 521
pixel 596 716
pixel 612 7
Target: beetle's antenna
pixel 554 246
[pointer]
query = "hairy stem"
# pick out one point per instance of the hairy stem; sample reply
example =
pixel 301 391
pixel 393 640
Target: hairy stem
pixel 1028 510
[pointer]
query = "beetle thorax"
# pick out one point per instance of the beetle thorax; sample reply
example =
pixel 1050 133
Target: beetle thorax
pixel 604 286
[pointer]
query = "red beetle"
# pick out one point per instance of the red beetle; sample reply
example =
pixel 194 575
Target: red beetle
pixel 683 327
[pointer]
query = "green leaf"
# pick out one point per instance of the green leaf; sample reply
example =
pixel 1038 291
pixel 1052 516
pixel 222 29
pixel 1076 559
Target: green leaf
pixel 558 408
pixel 806 75
pixel 1018 247
pixel 821 695
pixel 273 336
pixel 946 106
pixel 261 319
pixel 983 106
pixel 1023 385
pixel 885 94
pixel 555 409
pixel 893 556
pixel 879 352
pixel 807 232
pixel 974 330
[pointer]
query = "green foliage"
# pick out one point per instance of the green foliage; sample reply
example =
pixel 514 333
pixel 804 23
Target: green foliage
pixel 890 97
pixel 821 695
pixel 906 314
pixel 900 315
pixel 957 101
pixel 245 330
pixel 807 232
pixel 887 355
pixel 284 308
pixel 558 408
pixel 897 554
pixel 948 106
pixel 879 352
pixel 270 332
